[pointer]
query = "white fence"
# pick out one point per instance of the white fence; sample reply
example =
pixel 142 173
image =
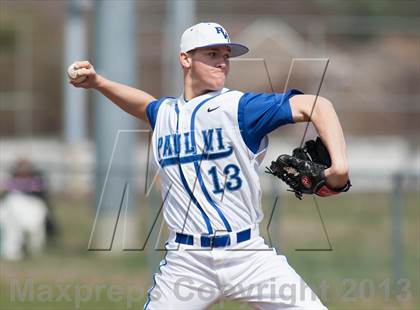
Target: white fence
pixel 373 162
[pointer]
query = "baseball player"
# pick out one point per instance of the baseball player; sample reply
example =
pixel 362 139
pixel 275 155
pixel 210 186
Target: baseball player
pixel 208 144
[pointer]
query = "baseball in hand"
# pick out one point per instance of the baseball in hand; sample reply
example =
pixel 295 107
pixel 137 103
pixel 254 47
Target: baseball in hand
pixel 73 75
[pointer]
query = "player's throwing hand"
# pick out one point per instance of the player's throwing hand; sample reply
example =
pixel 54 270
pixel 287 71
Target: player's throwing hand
pixel 82 74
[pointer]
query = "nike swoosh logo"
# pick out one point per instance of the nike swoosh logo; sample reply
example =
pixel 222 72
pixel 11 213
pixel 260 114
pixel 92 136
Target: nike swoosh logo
pixel 211 110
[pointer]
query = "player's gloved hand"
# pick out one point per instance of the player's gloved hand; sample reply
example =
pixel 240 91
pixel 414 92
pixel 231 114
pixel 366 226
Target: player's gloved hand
pixel 86 69
pixel 303 172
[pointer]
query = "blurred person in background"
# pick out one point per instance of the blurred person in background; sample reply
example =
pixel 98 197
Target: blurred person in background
pixel 25 212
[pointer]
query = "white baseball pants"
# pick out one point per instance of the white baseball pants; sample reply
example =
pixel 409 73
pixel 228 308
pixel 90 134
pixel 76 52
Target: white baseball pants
pixel 249 272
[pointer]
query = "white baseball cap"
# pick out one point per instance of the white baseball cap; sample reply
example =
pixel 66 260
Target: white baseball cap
pixel 209 34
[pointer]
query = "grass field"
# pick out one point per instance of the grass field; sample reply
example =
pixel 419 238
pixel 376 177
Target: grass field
pixel 350 267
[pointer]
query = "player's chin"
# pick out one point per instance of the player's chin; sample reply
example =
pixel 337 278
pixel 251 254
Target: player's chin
pixel 218 83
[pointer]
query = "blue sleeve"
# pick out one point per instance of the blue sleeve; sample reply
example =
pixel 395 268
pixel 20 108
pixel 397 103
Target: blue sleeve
pixel 152 110
pixel 259 114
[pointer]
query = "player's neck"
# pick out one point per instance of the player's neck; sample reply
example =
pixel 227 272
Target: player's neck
pixel 191 91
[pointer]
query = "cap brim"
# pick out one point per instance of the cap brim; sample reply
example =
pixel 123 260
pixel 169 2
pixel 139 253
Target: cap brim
pixel 236 49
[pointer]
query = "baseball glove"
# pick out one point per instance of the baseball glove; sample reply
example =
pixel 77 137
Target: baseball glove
pixel 304 170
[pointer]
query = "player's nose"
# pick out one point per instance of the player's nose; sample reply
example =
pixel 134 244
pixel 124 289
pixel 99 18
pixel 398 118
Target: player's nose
pixel 221 64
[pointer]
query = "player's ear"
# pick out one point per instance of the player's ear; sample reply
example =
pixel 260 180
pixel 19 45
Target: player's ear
pixel 185 60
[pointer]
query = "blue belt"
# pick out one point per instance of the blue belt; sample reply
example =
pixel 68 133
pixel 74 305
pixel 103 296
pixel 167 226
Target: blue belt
pixel 213 241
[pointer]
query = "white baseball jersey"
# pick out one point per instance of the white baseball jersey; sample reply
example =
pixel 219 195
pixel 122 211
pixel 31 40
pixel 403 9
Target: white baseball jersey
pixel 208 150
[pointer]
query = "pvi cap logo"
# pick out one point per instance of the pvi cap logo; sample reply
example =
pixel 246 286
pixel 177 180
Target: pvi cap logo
pixel 223 32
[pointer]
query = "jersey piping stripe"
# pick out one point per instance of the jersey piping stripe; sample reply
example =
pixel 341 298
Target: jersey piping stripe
pixel 152 110
pixel 191 194
pixel 195 112
pixel 149 291
pixel 185 184
pixel 197 166
pixel 207 195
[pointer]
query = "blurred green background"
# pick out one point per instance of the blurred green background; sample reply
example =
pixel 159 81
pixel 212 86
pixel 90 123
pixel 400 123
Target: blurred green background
pixel 360 249
pixel 356 274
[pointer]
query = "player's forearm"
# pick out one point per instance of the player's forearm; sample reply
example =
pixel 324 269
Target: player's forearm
pixel 129 99
pixel 329 129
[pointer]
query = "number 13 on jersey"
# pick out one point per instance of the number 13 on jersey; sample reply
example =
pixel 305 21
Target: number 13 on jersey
pixel 232 179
